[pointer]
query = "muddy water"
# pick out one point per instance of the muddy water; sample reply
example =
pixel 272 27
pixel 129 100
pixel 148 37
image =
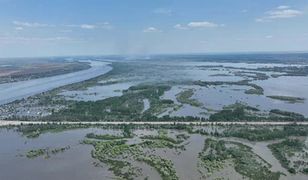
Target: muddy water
pixel 76 163
pixel 261 149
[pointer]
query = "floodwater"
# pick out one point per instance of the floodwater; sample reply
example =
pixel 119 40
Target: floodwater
pixel 77 163
pixel 146 105
pixel 10 92
pixel 213 98
pixel 216 97
pixel 98 92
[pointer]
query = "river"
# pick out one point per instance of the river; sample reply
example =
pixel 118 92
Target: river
pixel 10 92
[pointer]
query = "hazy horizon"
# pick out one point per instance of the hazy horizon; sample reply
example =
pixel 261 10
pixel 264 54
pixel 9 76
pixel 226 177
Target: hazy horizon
pixel 73 28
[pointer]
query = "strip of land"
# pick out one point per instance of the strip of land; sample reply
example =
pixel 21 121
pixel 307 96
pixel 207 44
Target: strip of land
pixel 17 123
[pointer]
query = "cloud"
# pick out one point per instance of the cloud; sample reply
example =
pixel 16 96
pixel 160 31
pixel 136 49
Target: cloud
pixel 18 39
pixel 19 28
pixel 179 26
pixel 198 24
pixel 202 24
pixel 269 37
pixel 280 12
pixel 105 25
pixel 283 7
pixel 30 24
pixel 285 13
pixel 87 26
pixel 66 31
pixel 163 11
pixel 151 30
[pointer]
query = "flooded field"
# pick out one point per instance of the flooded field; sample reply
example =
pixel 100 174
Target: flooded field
pixel 182 150
pixel 193 87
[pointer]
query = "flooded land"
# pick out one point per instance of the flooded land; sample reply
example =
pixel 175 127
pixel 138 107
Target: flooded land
pixel 209 91
pixel 154 152
pixel 166 87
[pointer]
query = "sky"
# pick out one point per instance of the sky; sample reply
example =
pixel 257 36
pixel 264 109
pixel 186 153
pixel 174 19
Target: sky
pixel 31 28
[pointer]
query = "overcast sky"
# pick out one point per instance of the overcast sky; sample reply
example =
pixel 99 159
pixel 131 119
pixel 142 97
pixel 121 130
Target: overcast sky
pixel 99 27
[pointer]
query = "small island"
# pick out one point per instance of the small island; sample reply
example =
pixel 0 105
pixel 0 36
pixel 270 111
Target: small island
pixel 289 99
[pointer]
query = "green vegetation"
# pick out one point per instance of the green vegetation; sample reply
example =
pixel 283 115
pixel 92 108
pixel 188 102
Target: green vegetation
pixel 236 112
pixel 264 133
pixel 258 90
pixel 103 136
pixel 163 141
pixel 252 74
pixel 126 134
pixel 110 152
pixel 182 137
pixel 163 166
pixel 127 130
pixel 128 107
pixel 184 97
pixel 35 130
pixel 119 153
pixel 290 154
pixel 285 115
pixel 216 153
pixel 162 135
pixel 287 70
pixel 45 152
pixel 242 112
pixel 35 153
pixel 151 144
pixel 289 99
pixel 163 138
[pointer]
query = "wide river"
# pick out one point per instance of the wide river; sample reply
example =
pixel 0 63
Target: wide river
pixel 10 92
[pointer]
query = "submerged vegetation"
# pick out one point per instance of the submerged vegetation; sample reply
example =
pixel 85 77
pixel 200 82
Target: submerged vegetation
pixel 292 154
pixel 258 90
pixel 35 130
pixel 216 153
pixel 128 148
pixel 117 154
pixel 127 107
pixel 265 133
pixel 128 153
pixel 45 152
pixel 163 166
pixel 103 136
pixel 152 82
pixel 185 98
